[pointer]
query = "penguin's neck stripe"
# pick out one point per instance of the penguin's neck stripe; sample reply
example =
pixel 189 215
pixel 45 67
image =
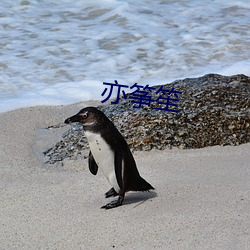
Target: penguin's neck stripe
pixel 88 124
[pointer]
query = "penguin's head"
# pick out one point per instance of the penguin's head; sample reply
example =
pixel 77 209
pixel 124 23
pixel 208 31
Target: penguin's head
pixel 88 117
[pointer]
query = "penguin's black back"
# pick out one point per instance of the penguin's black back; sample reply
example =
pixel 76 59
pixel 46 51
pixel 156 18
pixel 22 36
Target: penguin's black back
pixel 132 180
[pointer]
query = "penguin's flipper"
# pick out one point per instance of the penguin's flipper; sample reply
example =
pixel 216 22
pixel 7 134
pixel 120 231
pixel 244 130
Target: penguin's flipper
pixel 118 166
pixel 93 167
pixel 111 193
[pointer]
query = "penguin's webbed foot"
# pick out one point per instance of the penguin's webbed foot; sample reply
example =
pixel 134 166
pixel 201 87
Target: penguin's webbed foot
pixel 113 204
pixel 111 193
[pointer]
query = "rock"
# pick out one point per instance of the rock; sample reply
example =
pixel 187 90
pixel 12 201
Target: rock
pixel 213 110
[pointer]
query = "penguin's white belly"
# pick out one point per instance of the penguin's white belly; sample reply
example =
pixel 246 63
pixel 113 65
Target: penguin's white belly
pixel 104 157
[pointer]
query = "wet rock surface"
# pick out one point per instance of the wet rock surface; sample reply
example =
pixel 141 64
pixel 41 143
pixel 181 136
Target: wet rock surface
pixel 213 110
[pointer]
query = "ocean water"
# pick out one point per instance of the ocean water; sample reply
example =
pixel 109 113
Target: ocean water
pixel 61 52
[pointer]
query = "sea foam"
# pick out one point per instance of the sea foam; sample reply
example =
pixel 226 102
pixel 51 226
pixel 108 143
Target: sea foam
pixel 55 53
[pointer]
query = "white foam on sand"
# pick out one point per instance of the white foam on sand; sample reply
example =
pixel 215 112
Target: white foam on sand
pixel 61 52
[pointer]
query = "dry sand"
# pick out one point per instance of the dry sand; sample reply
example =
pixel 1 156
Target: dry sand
pixel 201 201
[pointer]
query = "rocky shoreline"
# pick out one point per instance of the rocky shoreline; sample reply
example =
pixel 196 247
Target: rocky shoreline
pixel 213 110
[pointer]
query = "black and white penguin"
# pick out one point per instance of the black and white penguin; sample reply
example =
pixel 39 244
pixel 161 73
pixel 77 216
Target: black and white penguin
pixel 110 152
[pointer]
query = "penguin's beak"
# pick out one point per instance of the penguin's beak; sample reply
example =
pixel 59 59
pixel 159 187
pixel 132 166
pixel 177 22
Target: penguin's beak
pixel 74 118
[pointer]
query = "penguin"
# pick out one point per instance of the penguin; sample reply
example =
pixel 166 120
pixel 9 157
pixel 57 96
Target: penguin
pixel 110 152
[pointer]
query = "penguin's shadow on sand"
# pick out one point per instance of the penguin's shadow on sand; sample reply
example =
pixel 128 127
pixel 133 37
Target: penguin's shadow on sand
pixel 139 198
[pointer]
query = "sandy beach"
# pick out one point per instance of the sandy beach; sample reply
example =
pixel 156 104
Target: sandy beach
pixel 201 198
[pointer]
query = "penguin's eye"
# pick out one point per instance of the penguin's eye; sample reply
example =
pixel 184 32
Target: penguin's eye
pixel 84 115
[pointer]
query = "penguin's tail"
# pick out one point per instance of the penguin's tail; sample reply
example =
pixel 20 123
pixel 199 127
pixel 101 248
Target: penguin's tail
pixel 141 185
